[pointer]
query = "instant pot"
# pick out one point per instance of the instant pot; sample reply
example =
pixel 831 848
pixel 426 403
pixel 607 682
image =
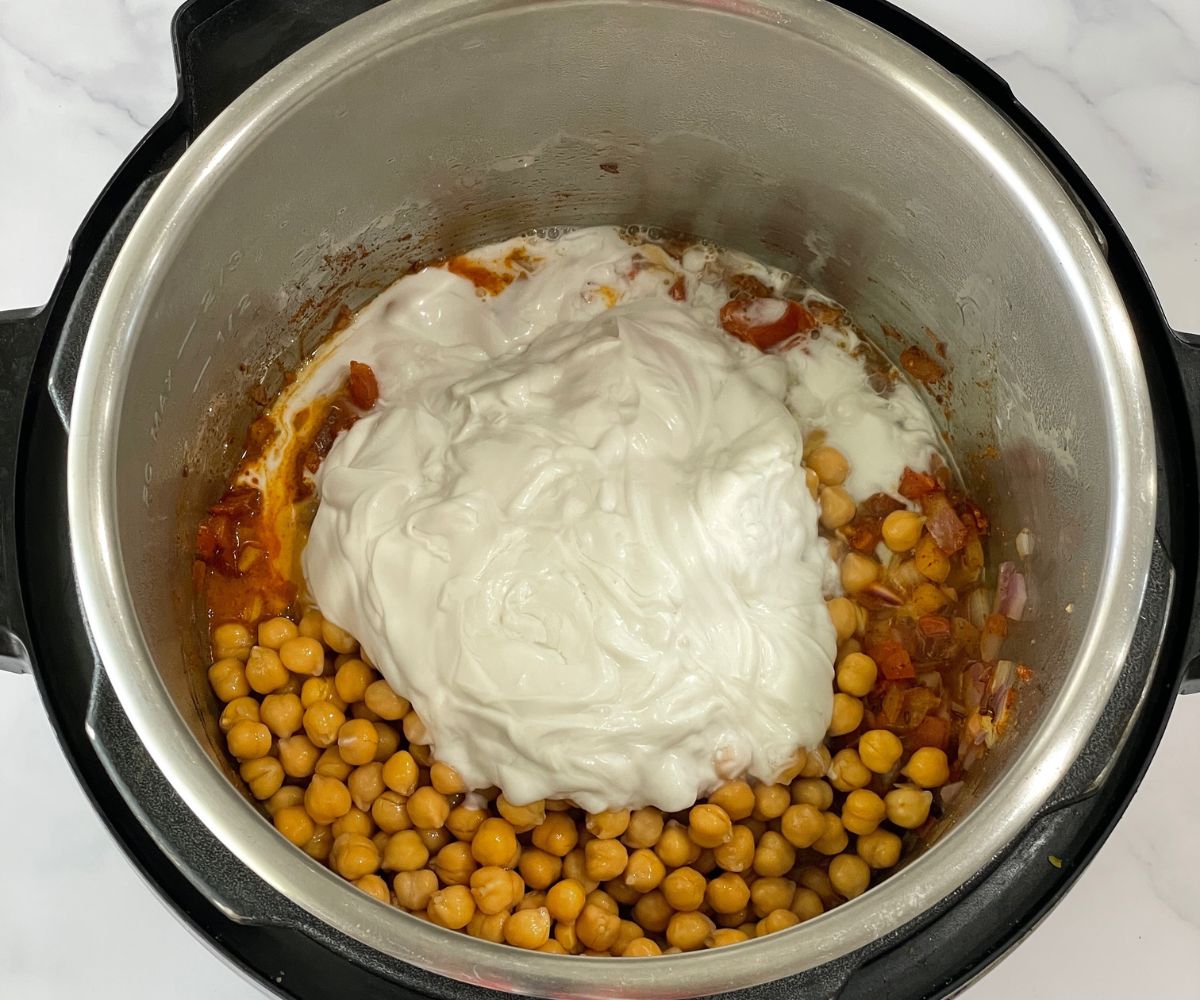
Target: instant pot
pixel 842 140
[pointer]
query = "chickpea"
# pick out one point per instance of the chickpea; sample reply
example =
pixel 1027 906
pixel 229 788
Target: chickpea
pixel 454 864
pixel 528 928
pixel 310 623
pixel 354 856
pixel 435 839
pixel 645 870
pixel 777 920
pixel 837 507
pixel 627 933
pixel 734 919
pixel 770 894
pixel 539 868
pixel 575 867
pixel 390 812
pixel 675 847
pixel 357 741
pixel 414 887
pixel 452 907
pixel 366 785
pixel 847 714
pixel 243 708
pixel 609 824
pixel 738 854
pixel 326 799
pixel 813 792
pixel 317 689
pixel 405 852
pixel 806 904
pixel 264 776
pixel 709 825
pixel 265 672
pixel 492 889
pixel 495 843
pixel 902 530
pixel 850 875
pixel 736 798
pixel 445 779
pixel 862 811
pixel 802 825
pixel 228 679
pixel 844 616
pixel 322 722
pixel 298 756
pixel 683 889
pixel 727 893
pixel 688 931
pixel 375 887
pixel 771 801
pixel 927 598
pixel 879 750
pixel 524 817
pixel 880 849
pixel 565 900
pixel 641 947
pixel 858 572
pixel 463 821
pixel 567 939
pixel 295 824
pixel 383 701
pixel 813 482
pixel 337 639
pixel 816 763
pixel 557 835
pixel 908 807
pixel 400 773
pixel 605 859
pixel 302 655
pixel 282 713
pixel 415 730
pixel 355 821
pixel 320 844
pixel 833 840
pixel 847 771
pixel 248 740
pixel 597 928
pixel 774 855
pixel 829 464
pixel 352 680
pixel 273 632
pixel 653 911
pixel 817 880
pixel 231 641
pixel 931 562
pixel 552 947
pixel 927 767
pixel 288 795
pixel 331 765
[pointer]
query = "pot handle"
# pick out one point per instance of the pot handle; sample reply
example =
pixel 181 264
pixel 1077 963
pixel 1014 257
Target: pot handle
pixel 21 333
pixel 1187 354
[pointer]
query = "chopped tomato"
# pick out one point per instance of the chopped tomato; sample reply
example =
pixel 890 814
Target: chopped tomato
pixel 893 660
pixel 934 625
pixel 238 502
pixel 364 388
pixel 932 731
pixel 943 523
pixel 765 322
pixel 915 485
pixel 678 290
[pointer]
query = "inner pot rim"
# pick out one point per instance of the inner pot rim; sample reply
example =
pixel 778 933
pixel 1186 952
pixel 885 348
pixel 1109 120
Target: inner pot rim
pixel 958 856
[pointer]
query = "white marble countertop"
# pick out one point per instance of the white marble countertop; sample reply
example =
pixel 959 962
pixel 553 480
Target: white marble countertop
pixel 1118 81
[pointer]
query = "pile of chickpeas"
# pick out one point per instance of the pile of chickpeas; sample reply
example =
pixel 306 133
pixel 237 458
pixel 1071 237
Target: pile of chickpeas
pixel 344 768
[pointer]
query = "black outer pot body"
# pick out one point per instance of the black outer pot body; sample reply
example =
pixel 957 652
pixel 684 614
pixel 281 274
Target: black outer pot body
pixel 221 47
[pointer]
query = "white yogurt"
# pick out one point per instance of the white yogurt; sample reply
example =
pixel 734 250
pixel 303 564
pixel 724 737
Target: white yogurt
pixel 575 532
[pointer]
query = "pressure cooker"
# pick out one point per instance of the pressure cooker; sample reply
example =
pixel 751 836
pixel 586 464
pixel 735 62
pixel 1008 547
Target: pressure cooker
pixel 320 148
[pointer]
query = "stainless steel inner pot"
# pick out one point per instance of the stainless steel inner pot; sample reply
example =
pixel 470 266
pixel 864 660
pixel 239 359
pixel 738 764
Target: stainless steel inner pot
pixel 791 130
